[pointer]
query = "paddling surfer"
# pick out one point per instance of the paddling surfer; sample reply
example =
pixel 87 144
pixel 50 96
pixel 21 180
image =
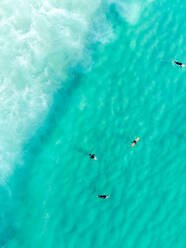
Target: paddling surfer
pixel 178 63
pixel 103 196
pixel 92 156
pixel 135 141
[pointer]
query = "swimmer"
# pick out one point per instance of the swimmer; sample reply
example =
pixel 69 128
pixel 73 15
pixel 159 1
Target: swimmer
pixel 103 196
pixel 178 63
pixel 92 156
pixel 135 141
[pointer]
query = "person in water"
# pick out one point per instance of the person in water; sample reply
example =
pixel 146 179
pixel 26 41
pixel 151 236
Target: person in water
pixel 178 63
pixel 135 141
pixel 92 156
pixel 103 196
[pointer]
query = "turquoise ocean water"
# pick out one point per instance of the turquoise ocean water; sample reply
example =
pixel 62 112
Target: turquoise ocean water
pixel 81 77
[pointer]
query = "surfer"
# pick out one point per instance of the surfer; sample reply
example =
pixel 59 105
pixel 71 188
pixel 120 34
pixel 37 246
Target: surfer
pixel 178 63
pixel 103 196
pixel 92 156
pixel 135 141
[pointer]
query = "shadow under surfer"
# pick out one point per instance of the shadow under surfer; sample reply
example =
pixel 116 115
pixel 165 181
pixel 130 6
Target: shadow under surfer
pixel 92 156
pixel 103 196
pixel 178 63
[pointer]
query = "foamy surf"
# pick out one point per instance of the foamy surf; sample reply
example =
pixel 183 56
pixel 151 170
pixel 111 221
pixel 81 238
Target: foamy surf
pixel 39 41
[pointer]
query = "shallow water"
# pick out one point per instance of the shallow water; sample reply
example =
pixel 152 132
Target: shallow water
pixel 116 84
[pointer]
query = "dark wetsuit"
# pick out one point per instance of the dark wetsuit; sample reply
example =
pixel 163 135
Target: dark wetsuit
pixel 178 63
pixel 102 196
pixel 92 156
pixel 134 142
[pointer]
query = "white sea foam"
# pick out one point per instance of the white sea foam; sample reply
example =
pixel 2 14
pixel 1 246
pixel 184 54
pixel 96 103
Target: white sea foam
pixel 130 10
pixel 38 42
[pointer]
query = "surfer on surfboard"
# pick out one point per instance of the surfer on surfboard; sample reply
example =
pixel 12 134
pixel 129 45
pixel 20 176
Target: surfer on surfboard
pixel 92 156
pixel 178 63
pixel 103 196
pixel 135 141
